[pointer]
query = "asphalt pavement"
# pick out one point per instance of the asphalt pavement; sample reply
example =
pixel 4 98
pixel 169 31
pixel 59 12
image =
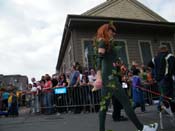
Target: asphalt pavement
pixel 78 122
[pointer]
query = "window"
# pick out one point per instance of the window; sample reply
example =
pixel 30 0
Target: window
pixel 122 54
pixel 88 53
pixel 168 44
pixel 145 51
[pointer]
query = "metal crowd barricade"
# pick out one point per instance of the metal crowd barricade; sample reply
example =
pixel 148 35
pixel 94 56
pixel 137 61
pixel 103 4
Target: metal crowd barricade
pixel 72 98
pixel 150 97
pixel 81 98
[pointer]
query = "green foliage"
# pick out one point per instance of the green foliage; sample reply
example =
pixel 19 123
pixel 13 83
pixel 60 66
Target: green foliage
pixel 115 73
pixel 111 22
pixel 103 101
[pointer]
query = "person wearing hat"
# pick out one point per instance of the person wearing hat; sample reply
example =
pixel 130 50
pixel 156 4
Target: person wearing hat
pixel 163 66
pixel 109 84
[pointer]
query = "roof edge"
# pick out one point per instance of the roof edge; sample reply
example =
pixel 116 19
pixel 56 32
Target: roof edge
pixel 156 15
pixel 72 17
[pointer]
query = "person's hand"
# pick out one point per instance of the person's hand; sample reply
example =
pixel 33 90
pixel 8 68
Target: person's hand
pixel 97 85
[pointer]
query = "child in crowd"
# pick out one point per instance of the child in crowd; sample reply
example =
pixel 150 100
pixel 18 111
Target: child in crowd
pixel 138 97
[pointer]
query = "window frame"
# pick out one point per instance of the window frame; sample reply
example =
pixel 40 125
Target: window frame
pixel 117 40
pixel 140 50
pixel 83 49
pixel 126 49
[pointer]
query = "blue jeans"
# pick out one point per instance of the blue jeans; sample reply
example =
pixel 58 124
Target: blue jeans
pixel 47 101
pixel 35 105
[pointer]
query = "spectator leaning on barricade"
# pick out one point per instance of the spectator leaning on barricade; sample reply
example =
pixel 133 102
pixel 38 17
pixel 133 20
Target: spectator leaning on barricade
pixel 63 81
pixel 74 83
pixel 163 66
pixel 41 94
pixel 134 65
pixel 149 77
pixel 55 81
pixel 84 80
pixel 74 76
pixel 150 84
pixel 12 104
pixel 146 83
pixel 95 96
pixel 84 92
pixel 61 99
pixel 33 92
pixel 47 95
pixel 38 97
pixel 143 73
pixel 92 77
pixel 28 95
pixel 5 96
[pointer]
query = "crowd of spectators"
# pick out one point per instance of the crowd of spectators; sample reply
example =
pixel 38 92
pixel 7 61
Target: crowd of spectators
pixel 40 97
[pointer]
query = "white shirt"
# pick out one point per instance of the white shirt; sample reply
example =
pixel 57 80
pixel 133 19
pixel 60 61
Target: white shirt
pixel 92 78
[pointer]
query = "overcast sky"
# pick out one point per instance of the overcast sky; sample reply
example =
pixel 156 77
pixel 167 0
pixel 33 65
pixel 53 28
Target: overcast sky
pixel 31 31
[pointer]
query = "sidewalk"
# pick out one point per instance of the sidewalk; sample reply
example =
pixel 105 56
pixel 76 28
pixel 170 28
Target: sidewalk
pixel 77 122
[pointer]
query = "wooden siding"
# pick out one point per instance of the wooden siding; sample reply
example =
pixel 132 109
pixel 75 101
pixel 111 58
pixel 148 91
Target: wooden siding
pixel 124 9
pixel 131 41
pixel 80 36
pixel 131 38
pixel 65 59
pixel 133 48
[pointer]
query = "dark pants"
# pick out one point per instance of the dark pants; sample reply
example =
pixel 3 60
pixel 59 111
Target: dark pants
pixel 48 102
pixel 5 104
pixel 141 105
pixel 166 89
pixel 116 115
pixel 76 100
pixel 120 94
pixel 13 109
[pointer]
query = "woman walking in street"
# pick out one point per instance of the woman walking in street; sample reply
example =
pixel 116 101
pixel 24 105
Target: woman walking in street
pixel 107 78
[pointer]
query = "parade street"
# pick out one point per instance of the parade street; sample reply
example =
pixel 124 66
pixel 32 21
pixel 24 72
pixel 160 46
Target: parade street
pixel 77 122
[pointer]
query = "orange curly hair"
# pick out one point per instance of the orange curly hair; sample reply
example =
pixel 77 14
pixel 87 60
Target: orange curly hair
pixel 102 33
